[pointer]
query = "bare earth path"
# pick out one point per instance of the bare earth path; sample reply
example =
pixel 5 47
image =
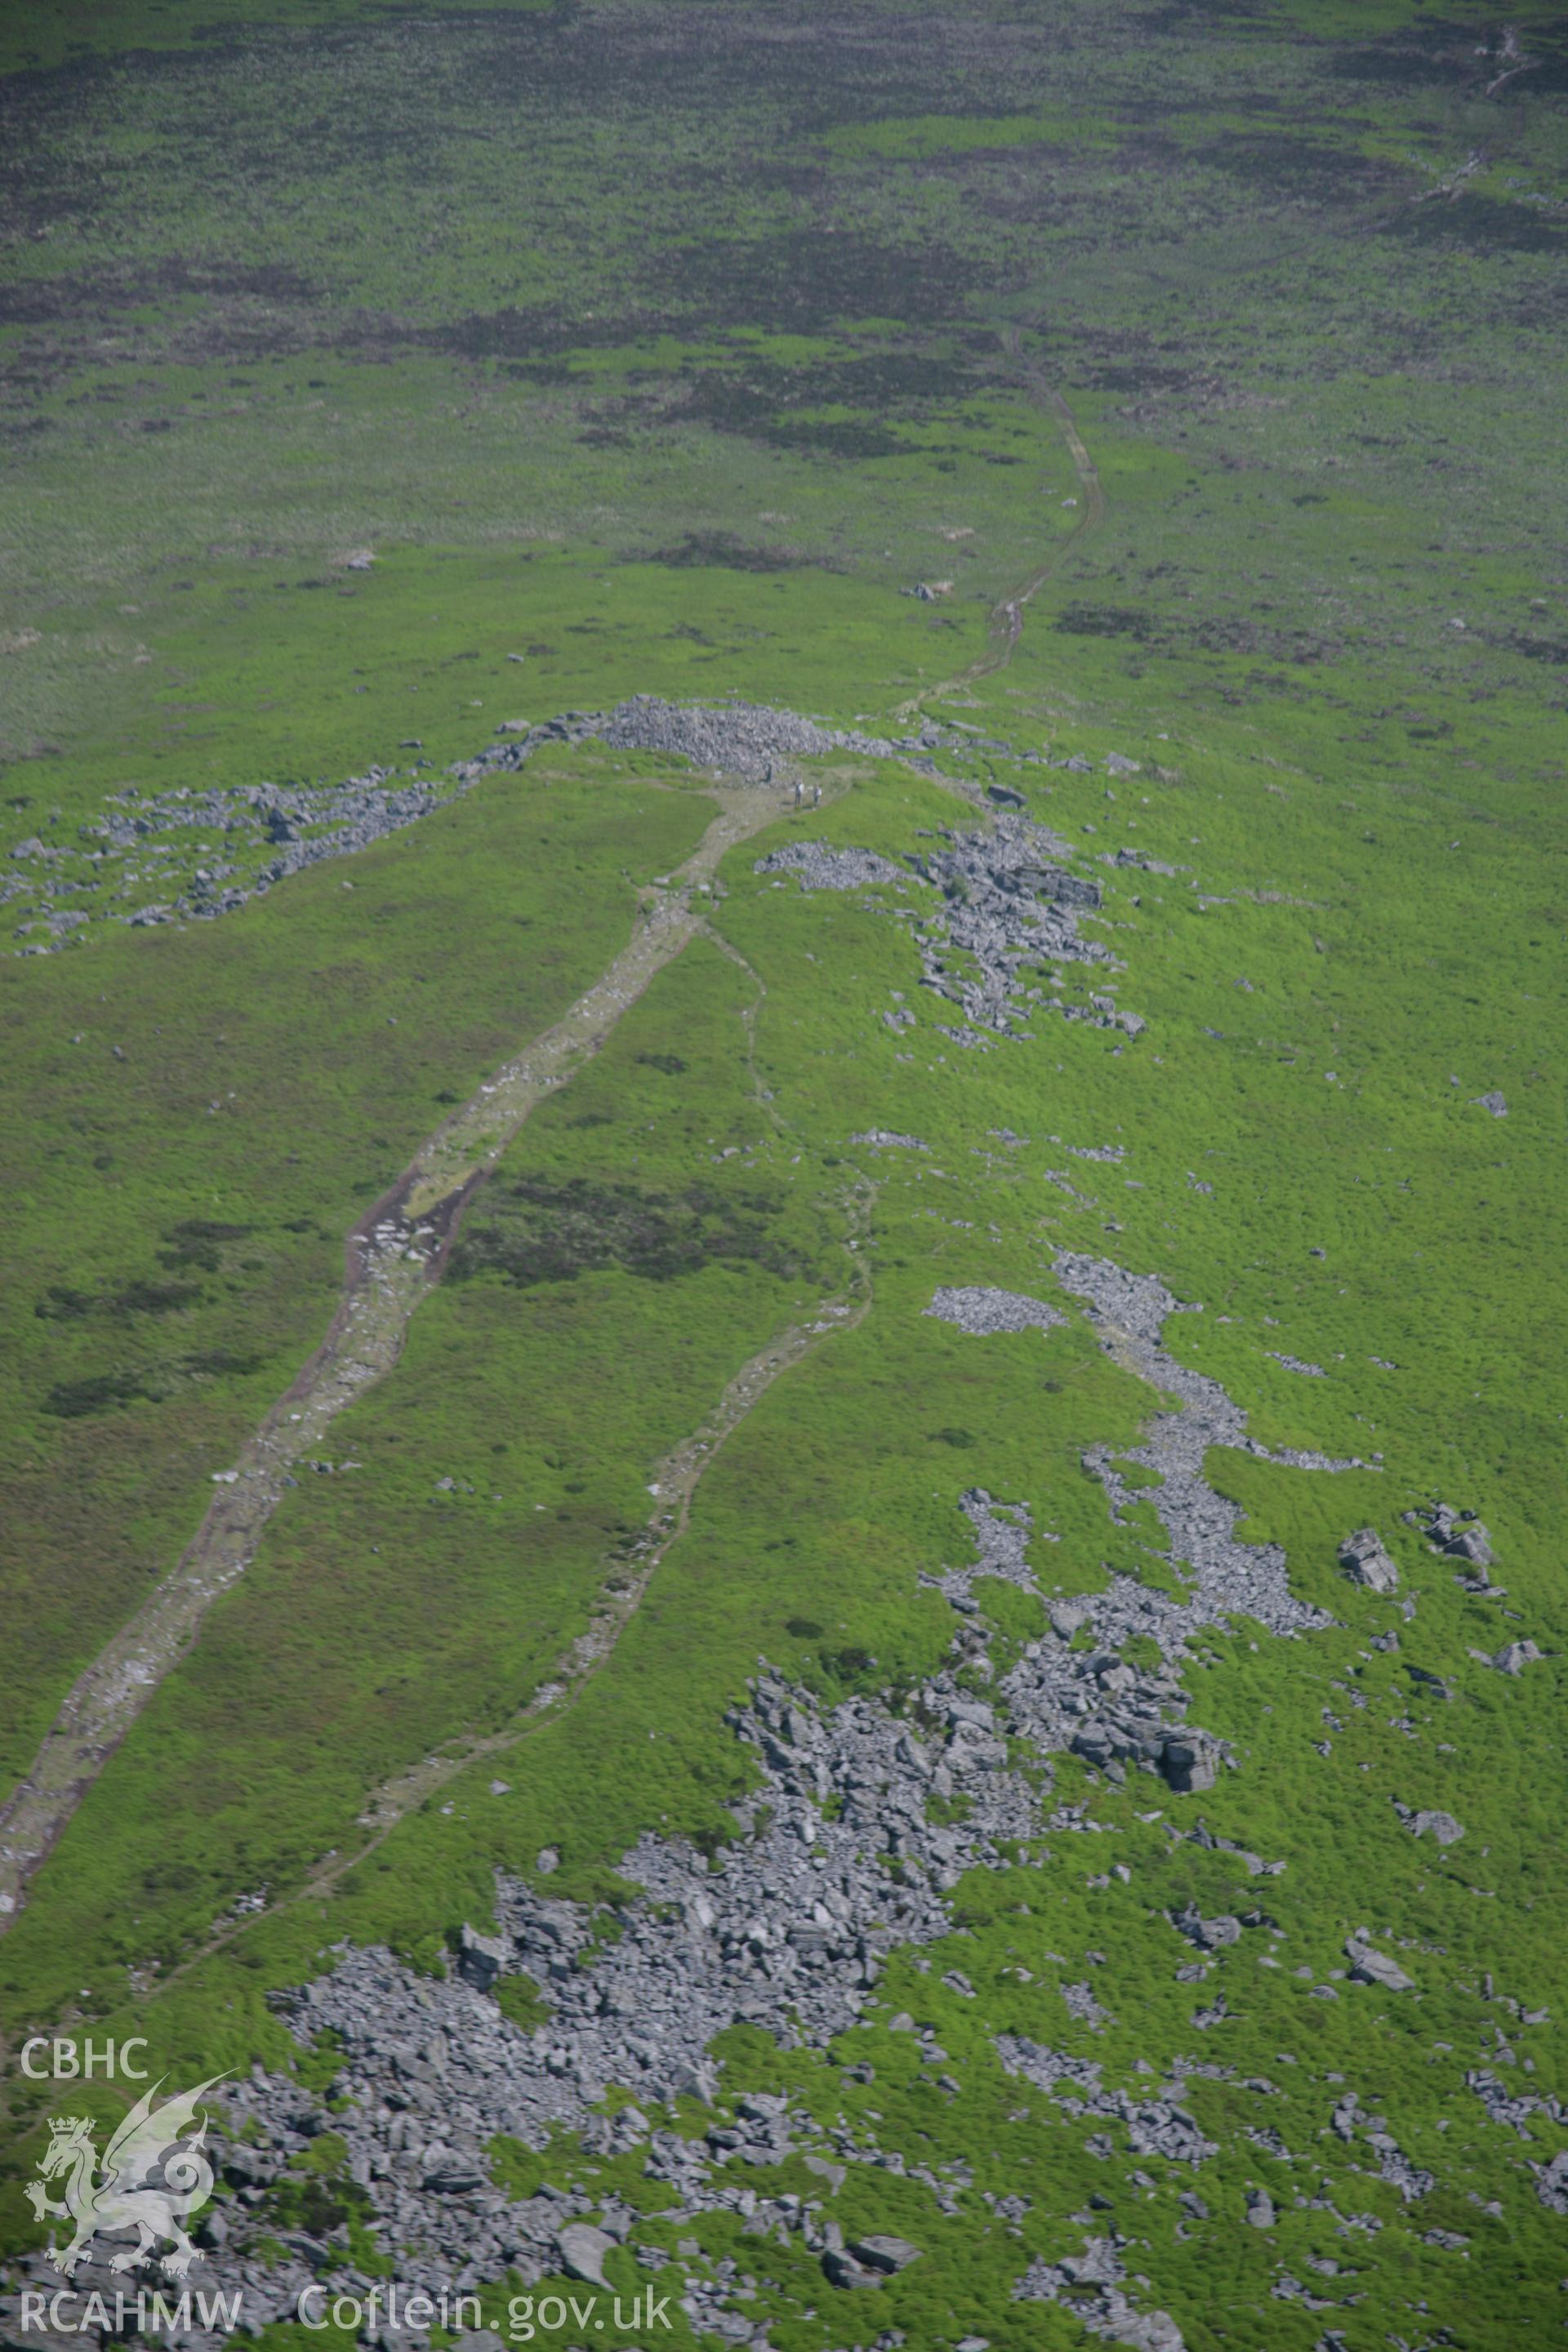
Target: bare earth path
pixel 678 1475
pixel 1006 625
pixel 393 1257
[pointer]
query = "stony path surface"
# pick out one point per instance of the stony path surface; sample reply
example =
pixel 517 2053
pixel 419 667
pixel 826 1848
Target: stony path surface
pixel 393 1257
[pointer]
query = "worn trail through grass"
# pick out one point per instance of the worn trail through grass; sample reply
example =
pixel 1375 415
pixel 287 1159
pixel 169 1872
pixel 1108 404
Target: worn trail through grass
pixel 1006 624
pixel 678 1478
pixel 395 1255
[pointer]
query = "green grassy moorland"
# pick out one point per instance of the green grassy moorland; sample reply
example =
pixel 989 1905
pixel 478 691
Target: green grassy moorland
pixel 350 279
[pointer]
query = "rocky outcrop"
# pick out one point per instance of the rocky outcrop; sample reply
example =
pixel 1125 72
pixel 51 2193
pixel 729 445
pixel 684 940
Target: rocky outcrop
pixel 1364 1561
pixel 1223 1574
pixel 863 1819
pixel 1092 2281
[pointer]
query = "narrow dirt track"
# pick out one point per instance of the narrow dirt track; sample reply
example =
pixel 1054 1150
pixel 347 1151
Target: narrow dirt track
pixel 1006 625
pixel 679 1476
pixel 676 1482
pixel 394 1255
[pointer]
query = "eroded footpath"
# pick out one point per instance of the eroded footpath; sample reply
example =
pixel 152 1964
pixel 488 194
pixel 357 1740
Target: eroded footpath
pixel 394 1255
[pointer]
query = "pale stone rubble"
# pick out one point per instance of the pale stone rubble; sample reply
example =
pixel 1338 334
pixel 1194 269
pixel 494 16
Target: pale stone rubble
pixel 1009 905
pixel 1222 1575
pixel 789 1930
pixel 819 867
pixel 262 832
pixel 1155 2122
pixel 1095 2281
pixel 259 834
pixel 1002 1533
pixel 1008 901
pixel 981 1311
pixel 789 1926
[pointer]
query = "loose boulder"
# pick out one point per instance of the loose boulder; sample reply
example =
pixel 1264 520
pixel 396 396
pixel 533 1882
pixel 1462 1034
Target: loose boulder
pixel 1190 1762
pixel 889 2255
pixel 1370 1967
pixel 1552 2183
pixel 1208 1935
pixel 582 2249
pixel 1364 1561
pixel 1442 1827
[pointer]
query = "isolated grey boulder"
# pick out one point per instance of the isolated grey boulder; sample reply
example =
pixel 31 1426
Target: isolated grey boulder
pixel 1515 1657
pixel 1441 1826
pixel 1208 1935
pixel 1260 2209
pixel 1370 1967
pixel 1552 2183
pixel 885 2254
pixel 1364 1561
pixel 1150 2331
pixel 582 2249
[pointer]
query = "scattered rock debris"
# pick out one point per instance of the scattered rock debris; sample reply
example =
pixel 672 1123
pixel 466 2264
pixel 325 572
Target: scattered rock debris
pixel 983 1312
pixel 863 1819
pixel 819 867
pixel 1440 1827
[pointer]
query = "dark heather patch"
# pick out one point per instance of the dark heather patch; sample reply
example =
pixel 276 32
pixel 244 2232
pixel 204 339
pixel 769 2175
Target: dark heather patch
pixel 535 1231
pixel 1304 169
pixel 100 1392
pixel 1399 62
pixel 196 1241
pixel 1481 223
pixel 1106 621
pixel 144 1298
pixel 716 550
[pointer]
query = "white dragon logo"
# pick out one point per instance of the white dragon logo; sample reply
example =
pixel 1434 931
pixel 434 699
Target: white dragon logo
pixel 152 2181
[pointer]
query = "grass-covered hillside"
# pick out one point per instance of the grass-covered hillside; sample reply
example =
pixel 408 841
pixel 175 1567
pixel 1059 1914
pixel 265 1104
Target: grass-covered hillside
pixel 513 1194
